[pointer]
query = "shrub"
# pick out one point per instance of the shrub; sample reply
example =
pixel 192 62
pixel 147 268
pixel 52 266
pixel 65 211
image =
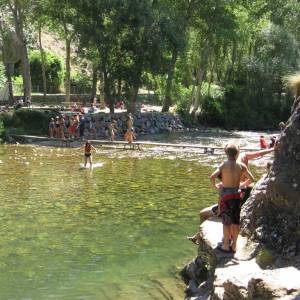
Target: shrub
pixel 2 130
pixel 81 83
pixel 183 97
pixel 32 121
pixel 54 71
pixel 18 85
pixel 212 105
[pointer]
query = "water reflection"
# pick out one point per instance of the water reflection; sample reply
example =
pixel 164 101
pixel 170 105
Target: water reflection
pixel 111 232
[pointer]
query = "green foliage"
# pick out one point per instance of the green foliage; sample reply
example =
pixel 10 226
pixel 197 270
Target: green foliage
pixel 212 105
pixel 54 71
pixel 31 121
pixel 17 85
pixel 2 130
pixel 82 83
pixel 183 97
pixel 236 52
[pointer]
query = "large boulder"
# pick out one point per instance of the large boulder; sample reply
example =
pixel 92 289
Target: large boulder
pixel 272 213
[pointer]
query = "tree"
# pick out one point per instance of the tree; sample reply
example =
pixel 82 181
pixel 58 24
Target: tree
pixel 62 14
pixel 41 19
pixel 53 70
pixel 175 17
pixel 213 23
pixel 9 56
pixel 18 10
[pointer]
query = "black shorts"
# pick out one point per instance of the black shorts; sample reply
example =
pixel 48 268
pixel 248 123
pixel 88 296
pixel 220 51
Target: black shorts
pixel 231 209
pixel 231 215
pixel 87 154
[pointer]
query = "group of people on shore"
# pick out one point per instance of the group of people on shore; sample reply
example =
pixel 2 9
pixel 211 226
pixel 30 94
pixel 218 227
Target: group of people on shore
pixel 67 127
pixel 235 182
pixel 73 127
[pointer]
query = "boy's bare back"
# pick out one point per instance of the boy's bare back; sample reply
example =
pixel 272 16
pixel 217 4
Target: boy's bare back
pixel 232 172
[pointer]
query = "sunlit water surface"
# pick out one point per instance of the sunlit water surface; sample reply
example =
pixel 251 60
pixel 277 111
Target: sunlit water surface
pixel 114 232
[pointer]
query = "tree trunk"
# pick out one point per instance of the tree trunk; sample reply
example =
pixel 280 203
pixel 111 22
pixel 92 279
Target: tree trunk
pixel 102 96
pixel 9 71
pixel 132 98
pixel 26 73
pixel 195 106
pixel 18 20
pixel 68 69
pixel 229 77
pixel 168 98
pixel 43 60
pixel 95 78
pixel 108 96
pixel 119 92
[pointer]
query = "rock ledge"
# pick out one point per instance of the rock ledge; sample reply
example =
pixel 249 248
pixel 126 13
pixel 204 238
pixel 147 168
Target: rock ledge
pixel 215 275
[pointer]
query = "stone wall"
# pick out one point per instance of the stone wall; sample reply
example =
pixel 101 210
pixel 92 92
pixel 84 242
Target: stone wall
pixel 144 123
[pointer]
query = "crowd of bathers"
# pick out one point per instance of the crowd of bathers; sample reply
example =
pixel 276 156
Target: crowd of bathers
pixel 80 126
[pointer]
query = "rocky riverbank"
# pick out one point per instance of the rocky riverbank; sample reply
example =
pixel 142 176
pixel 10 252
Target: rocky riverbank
pixel 144 123
pixel 267 262
pixel 246 275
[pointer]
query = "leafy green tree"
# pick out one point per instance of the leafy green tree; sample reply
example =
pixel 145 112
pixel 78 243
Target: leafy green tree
pixel 54 71
pixel 17 10
pixel 61 15
pixel 214 23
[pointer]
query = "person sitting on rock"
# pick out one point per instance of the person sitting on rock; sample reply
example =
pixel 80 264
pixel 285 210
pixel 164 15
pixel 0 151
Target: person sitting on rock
pixel 232 173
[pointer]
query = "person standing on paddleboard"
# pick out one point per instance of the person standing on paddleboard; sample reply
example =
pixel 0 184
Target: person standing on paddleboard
pixel 88 148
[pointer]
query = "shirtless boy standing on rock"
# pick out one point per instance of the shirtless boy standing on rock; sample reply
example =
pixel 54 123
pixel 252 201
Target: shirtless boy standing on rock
pixel 231 173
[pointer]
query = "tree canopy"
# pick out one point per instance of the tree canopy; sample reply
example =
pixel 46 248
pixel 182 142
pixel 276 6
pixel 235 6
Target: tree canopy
pixel 216 60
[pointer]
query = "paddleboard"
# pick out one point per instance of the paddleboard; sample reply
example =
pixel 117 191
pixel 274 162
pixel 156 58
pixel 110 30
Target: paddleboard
pixel 94 165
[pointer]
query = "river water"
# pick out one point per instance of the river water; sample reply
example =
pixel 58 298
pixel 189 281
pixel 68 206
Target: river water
pixel 115 232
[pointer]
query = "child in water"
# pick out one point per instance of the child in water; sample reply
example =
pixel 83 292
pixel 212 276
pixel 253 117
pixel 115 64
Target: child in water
pixel 88 148
pixel 129 136
pixel 263 142
pixel 112 129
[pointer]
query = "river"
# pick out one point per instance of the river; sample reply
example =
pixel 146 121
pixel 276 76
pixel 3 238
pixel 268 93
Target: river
pixel 115 232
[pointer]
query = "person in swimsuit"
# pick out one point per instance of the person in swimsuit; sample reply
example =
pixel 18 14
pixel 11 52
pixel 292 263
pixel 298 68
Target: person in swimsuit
pixel 112 129
pixel 212 211
pixel 88 148
pixel 263 142
pixel 51 127
pixel 56 128
pixel 232 172
pixel 129 136
pixel 129 122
